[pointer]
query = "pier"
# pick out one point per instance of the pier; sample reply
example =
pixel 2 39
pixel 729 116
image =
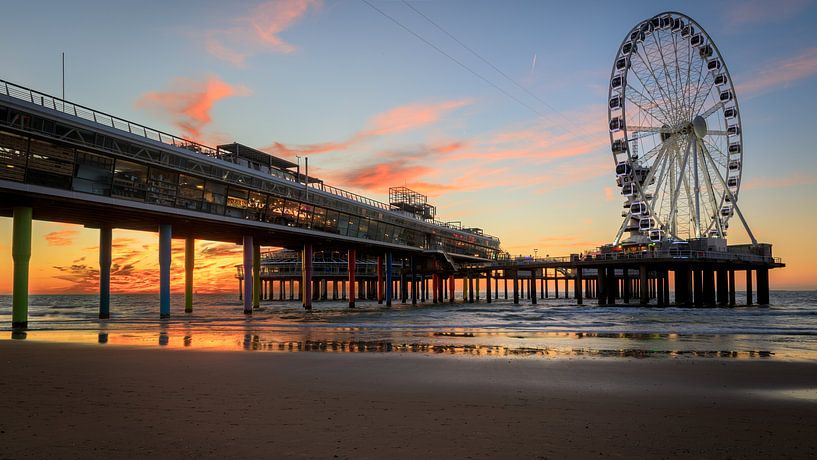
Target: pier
pixel 63 162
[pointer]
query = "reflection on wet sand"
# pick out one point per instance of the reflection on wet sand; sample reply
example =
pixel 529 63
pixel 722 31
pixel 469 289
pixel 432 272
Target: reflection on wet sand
pixel 464 343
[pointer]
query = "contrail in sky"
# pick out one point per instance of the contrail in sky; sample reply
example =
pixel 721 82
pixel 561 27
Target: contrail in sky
pixel 533 64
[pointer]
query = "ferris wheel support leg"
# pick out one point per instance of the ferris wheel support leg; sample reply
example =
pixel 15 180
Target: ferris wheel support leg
pixel 732 198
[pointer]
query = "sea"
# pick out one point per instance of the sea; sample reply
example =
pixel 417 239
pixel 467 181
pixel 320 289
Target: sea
pixel 553 328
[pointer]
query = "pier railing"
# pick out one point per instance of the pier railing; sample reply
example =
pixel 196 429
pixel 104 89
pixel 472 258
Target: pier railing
pixel 645 255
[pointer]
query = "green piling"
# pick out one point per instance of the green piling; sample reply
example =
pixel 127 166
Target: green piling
pixel 21 254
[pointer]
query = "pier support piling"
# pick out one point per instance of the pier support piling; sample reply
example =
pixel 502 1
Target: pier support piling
pixel 748 287
pixel 763 286
pixel 644 286
pixel 578 286
pixel 351 261
pixel 722 288
pixel 248 276
pixel 532 283
pixel 601 286
pixel 488 286
pixel 256 275
pixel 389 285
pixel 732 301
pixel 709 287
pixel 515 287
pixel 105 258
pixel 21 255
pixel 306 276
pixel 165 235
pixel 698 286
pixel 380 286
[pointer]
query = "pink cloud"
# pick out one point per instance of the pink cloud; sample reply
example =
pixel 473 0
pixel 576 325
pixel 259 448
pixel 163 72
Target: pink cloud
pixel 188 103
pixel 780 73
pixel 258 31
pixel 410 117
pixel 394 121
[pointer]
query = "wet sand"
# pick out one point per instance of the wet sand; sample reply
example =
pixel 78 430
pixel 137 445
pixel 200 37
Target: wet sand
pixel 88 401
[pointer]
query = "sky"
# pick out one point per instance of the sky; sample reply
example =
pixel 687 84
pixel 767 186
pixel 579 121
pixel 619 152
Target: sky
pixel 496 110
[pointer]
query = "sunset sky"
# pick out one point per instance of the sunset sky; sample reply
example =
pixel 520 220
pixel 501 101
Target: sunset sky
pixel 375 103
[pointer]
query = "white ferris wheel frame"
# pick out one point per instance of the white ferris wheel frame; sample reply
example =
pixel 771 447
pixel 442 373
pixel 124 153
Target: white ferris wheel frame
pixel 683 132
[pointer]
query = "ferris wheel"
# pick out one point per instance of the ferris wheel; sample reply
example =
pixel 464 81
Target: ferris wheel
pixel 675 133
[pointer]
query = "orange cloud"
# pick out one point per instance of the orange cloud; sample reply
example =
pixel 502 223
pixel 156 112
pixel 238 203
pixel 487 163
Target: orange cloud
pixel 258 31
pixel 410 117
pixel 381 175
pixel 135 268
pixel 394 121
pixel 781 73
pixel 61 237
pixel 188 103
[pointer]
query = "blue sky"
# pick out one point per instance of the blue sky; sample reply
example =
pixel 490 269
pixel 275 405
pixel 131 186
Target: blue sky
pixel 341 72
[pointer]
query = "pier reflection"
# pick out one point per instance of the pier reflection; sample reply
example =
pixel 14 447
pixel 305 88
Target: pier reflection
pixel 456 342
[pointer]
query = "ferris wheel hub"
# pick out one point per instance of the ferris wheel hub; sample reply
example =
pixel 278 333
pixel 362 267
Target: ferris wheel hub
pixel 699 127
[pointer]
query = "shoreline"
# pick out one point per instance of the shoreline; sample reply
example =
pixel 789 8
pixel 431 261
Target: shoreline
pixel 83 401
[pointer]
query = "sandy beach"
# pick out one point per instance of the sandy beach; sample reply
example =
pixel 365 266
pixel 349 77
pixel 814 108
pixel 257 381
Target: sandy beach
pixel 104 401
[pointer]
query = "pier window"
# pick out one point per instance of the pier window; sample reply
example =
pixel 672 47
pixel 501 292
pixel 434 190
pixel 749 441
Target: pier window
pixel 319 218
pixel 353 222
pixel 363 228
pixel 93 173
pixel 331 224
pixel 50 165
pixel 255 206
pixel 397 235
pixel 191 192
pixel 343 223
pixel 129 180
pixel 290 214
pixel 237 200
pixel 215 195
pixel 13 151
pixel 161 186
pixel 305 215
pixel 275 210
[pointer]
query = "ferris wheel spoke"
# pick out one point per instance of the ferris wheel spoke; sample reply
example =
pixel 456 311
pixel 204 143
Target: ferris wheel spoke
pixel 709 83
pixel 708 112
pixel 641 104
pixel 648 67
pixel 681 176
pixel 662 163
pixel 681 84
pixel 722 158
pixel 710 192
pixel 648 88
pixel 670 84
pixel 648 129
pixel 716 132
pixel 655 150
